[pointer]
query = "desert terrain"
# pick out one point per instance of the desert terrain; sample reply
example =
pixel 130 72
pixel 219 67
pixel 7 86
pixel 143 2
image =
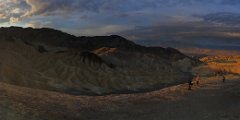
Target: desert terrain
pixel 61 62
pixel 119 59
pixel 229 64
pixel 46 74
pixel 212 100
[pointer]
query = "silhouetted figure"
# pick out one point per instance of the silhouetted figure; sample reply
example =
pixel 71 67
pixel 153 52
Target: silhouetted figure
pixel 225 72
pixel 223 79
pixel 190 85
pixel 197 79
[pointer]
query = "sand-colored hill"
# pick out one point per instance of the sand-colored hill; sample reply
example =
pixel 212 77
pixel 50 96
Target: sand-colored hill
pixel 230 64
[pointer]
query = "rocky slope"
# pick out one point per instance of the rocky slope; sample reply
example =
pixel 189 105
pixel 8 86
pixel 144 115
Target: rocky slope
pixel 52 60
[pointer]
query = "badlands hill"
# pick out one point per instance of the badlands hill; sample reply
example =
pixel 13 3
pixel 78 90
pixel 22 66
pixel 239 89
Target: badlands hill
pixel 227 64
pixel 52 60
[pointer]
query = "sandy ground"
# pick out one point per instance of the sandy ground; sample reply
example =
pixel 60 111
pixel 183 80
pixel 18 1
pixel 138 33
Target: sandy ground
pixel 212 100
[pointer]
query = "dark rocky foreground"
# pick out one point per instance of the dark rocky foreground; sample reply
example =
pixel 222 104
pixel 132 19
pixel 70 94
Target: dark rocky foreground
pixel 212 100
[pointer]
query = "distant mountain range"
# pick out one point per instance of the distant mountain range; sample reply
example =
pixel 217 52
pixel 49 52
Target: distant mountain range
pixel 208 52
pixel 224 43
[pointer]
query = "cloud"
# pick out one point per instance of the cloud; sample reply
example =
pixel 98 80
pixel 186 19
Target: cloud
pixel 188 34
pixel 224 18
pixel 12 10
pixel 24 9
pixel 3 16
pixel 38 24
pixel 156 22
pixel 230 2
pixel 45 7
pixel 104 30
pixel 14 20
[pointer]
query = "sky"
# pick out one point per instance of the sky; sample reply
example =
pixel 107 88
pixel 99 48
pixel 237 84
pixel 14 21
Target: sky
pixel 175 23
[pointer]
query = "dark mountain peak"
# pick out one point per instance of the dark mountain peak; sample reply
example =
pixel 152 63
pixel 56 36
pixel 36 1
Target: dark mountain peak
pixel 49 36
pixel 45 36
pixel 106 41
pixel 19 29
pixel 117 37
pixel 56 38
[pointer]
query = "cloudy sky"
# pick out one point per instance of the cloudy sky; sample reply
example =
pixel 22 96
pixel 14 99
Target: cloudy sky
pixel 177 23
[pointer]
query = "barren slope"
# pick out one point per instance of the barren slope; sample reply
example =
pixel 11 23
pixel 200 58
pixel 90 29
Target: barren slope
pixel 213 100
pixel 77 71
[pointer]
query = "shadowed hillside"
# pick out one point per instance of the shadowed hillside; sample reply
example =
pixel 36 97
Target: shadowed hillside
pixel 47 38
pixel 52 60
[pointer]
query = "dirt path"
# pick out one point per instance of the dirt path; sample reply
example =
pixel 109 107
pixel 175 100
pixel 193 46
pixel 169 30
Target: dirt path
pixel 212 100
